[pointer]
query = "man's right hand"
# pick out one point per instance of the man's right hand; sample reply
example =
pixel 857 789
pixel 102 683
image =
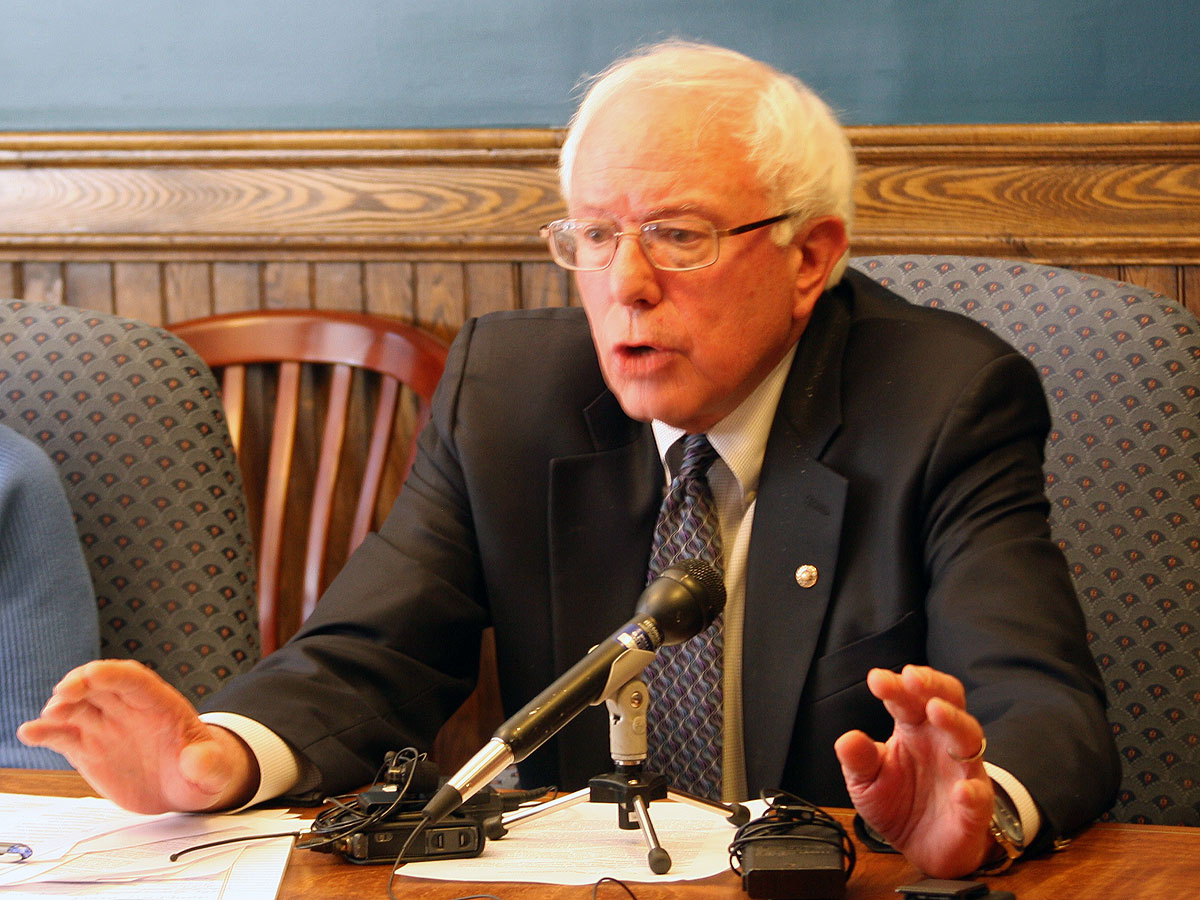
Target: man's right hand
pixel 139 742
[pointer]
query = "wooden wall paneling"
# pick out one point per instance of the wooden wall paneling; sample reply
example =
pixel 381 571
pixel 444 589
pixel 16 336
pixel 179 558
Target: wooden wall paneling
pixel 1113 272
pixel 1071 194
pixel 544 284
pixel 491 287
pixel 187 290
pixel 138 291
pixel 1165 279
pixel 1190 288
pixel 338 285
pixel 42 282
pixel 287 285
pixel 389 289
pixel 88 285
pixel 236 286
pixel 441 298
pixel 8 280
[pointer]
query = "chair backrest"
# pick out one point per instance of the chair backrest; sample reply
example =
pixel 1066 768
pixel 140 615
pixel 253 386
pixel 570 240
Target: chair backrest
pixel 315 399
pixel 132 419
pixel 1121 370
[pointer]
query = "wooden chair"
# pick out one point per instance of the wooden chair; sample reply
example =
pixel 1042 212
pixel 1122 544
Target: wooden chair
pixel 315 399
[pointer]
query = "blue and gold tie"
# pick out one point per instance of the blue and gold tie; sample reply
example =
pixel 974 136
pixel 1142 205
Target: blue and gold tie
pixel 685 717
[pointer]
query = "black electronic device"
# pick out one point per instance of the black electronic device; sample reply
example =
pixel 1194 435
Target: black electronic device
pixel 375 825
pixel 455 837
pixel 794 851
pixel 951 889
pixel 800 865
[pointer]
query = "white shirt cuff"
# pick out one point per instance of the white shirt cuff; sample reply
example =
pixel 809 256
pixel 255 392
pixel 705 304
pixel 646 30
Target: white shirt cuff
pixel 1031 819
pixel 278 766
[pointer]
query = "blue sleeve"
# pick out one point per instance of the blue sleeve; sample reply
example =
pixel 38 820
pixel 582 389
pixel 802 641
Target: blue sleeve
pixel 48 619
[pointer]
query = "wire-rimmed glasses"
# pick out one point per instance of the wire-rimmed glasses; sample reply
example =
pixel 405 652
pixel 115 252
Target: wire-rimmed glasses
pixel 673 245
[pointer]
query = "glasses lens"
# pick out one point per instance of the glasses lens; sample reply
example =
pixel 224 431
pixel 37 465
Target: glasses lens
pixel 680 244
pixel 582 243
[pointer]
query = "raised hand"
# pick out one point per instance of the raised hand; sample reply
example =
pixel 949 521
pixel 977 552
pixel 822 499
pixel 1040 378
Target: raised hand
pixel 139 742
pixel 925 790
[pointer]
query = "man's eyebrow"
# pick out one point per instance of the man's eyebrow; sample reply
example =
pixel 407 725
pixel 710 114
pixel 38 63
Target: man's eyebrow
pixel 677 209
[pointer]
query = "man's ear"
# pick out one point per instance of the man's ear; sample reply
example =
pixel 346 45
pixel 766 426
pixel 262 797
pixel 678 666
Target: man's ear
pixel 822 243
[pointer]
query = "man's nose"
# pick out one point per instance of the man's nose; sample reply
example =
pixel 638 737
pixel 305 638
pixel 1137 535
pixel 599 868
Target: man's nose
pixel 632 278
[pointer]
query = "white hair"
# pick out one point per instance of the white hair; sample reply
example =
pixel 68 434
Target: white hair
pixel 801 154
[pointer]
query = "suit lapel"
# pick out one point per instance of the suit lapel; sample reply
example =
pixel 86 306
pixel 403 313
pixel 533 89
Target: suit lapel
pixel 797 523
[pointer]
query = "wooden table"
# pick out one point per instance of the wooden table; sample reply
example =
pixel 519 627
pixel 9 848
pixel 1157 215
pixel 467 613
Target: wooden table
pixel 1129 862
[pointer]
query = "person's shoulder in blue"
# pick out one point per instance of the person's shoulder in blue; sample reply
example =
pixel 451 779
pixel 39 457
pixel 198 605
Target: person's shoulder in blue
pixel 48 621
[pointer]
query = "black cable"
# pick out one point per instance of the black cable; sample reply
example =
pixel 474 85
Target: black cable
pixel 420 826
pixel 791 818
pixel 617 881
pixel 345 819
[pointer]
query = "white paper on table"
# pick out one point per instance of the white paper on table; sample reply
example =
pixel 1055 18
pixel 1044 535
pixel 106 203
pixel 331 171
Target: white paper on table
pixel 581 844
pixel 52 825
pixel 257 872
pixel 92 847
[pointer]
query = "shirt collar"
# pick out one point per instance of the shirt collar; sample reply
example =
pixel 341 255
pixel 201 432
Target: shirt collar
pixel 741 437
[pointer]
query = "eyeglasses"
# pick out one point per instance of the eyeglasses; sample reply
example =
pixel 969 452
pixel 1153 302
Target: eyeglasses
pixel 673 245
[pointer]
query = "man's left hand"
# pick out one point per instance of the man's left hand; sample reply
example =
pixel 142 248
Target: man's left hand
pixel 924 790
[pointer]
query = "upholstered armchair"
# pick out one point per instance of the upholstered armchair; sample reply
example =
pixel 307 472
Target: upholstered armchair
pixel 1121 370
pixel 132 418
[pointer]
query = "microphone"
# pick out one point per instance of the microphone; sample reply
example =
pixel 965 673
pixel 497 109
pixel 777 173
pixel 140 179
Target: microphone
pixel 675 606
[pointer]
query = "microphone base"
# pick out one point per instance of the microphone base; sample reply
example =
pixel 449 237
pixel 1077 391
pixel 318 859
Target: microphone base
pixel 622 787
pixel 632 789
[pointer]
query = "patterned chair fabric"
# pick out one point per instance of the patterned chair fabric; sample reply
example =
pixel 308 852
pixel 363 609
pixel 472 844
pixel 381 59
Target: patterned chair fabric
pixel 132 418
pixel 1121 369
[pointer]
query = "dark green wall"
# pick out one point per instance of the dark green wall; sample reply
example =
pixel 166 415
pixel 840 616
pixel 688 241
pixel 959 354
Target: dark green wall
pixel 151 64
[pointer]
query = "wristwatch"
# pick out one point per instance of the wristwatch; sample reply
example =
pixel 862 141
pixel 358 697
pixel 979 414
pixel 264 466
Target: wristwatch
pixel 1005 829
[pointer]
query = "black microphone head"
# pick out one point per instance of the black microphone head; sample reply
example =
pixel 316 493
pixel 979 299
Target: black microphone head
pixel 684 599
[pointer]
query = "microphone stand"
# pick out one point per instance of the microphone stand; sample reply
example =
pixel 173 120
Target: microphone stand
pixel 631 786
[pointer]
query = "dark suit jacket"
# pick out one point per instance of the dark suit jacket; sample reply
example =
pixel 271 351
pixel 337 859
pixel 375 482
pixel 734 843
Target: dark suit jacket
pixel 904 463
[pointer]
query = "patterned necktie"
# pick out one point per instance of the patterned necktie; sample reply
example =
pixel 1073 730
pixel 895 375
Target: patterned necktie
pixel 685 717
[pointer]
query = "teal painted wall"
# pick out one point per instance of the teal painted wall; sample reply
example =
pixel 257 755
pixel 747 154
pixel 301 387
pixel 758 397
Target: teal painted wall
pixel 279 64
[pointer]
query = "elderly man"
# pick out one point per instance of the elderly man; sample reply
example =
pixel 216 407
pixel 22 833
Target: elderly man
pixel 867 472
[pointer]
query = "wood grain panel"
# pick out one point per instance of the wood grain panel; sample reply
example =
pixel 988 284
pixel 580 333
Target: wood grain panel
pixel 1189 291
pixel 544 284
pixel 188 290
pixel 42 282
pixel 89 285
pixel 414 209
pixel 439 298
pixel 1054 193
pixel 338 286
pixel 236 287
pixel 287 285
pixel 389 289
pixel 1159 278
pixel 491 287
pixel 138 291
